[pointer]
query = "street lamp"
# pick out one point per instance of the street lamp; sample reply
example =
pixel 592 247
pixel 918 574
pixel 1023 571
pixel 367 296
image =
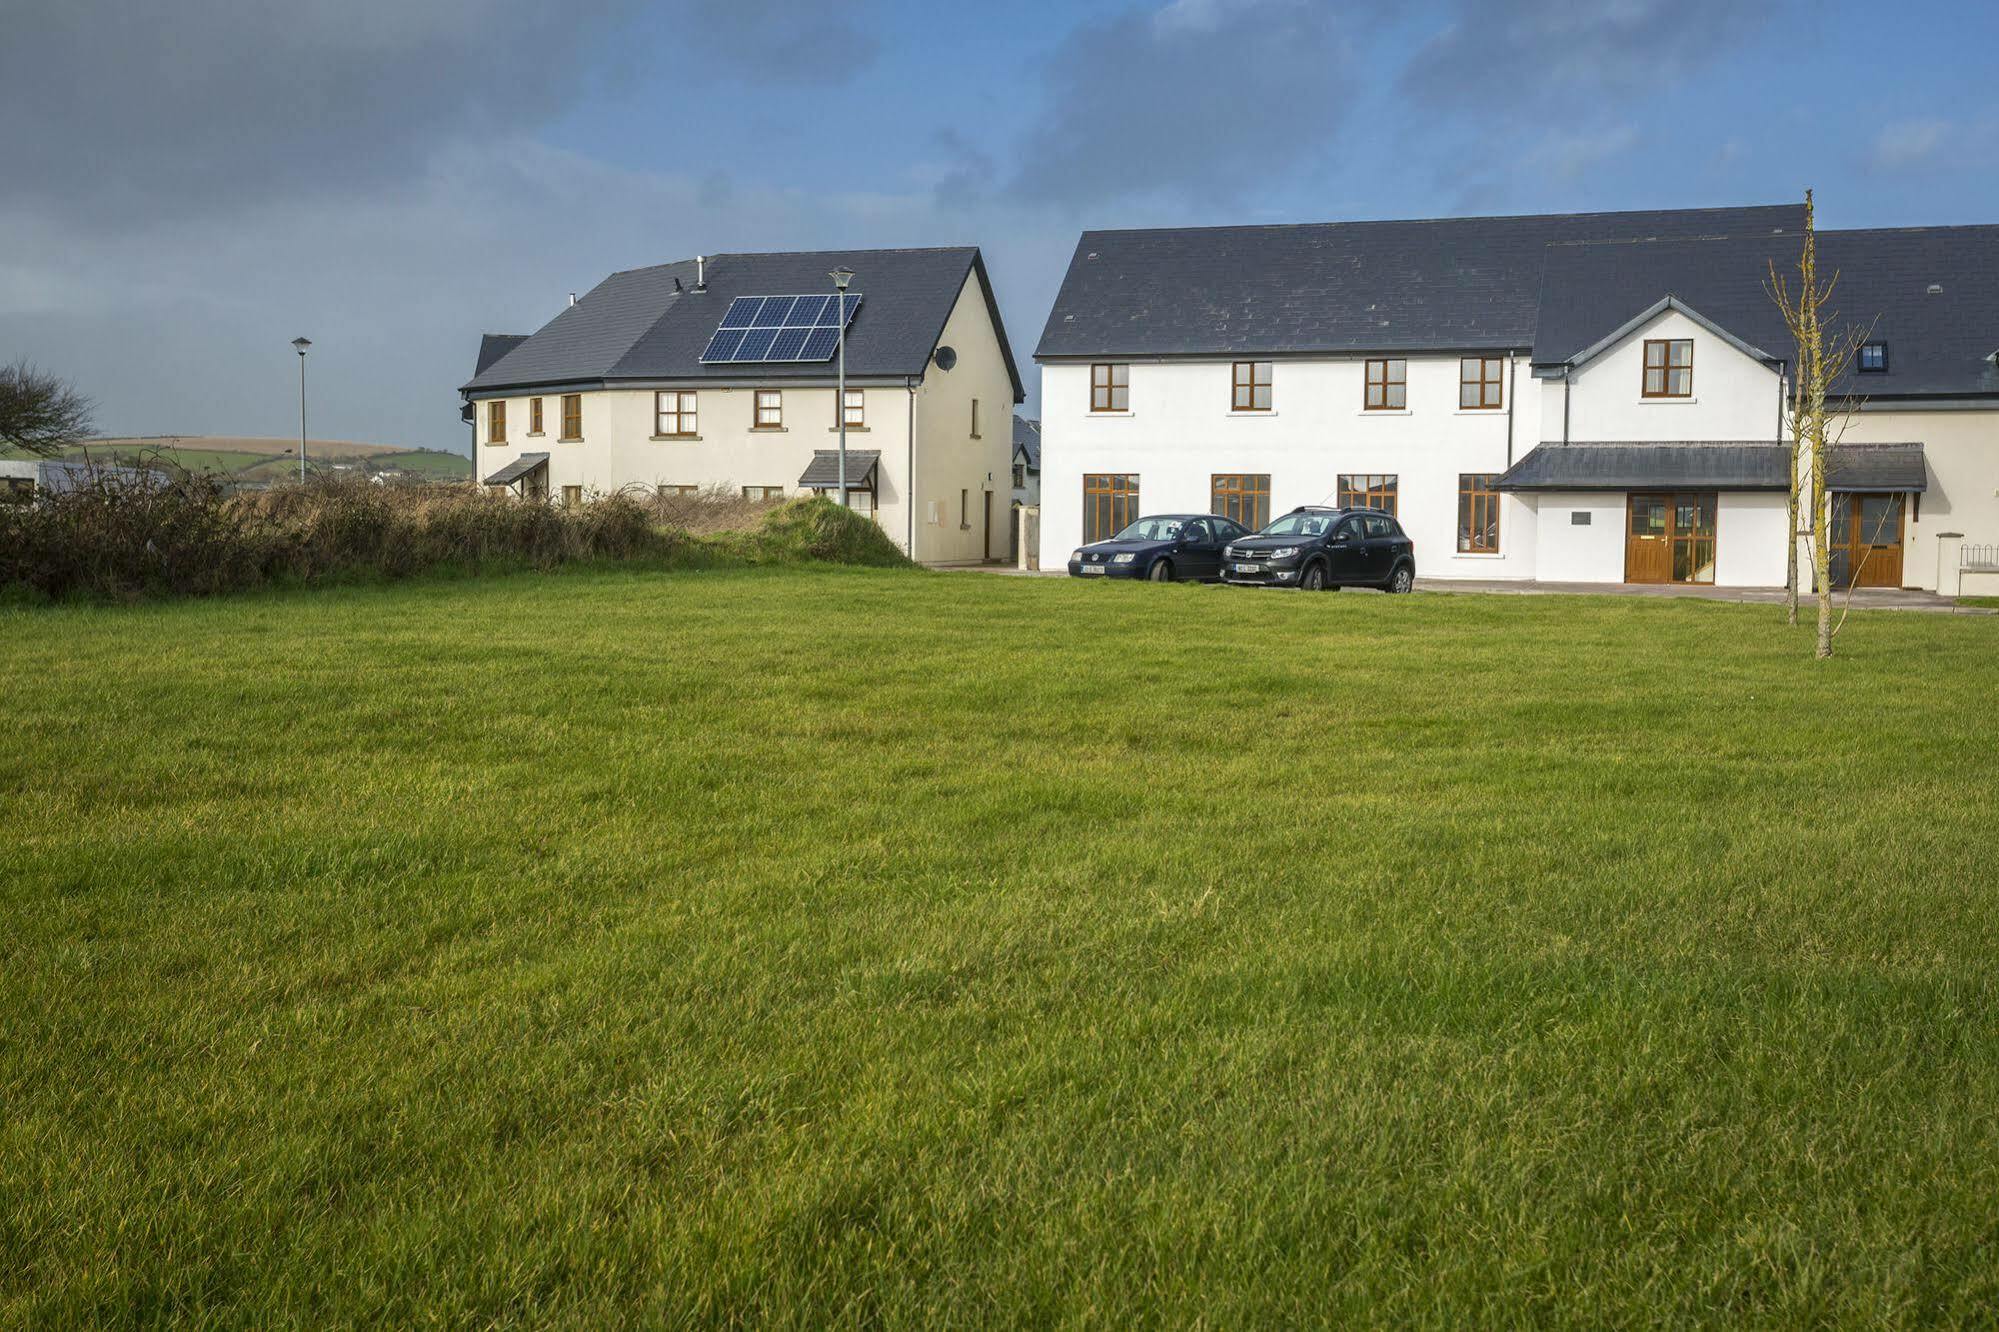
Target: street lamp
pixel 299 345
pixel 841 277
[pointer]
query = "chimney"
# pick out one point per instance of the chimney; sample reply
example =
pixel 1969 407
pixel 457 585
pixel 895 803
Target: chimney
pixel 572 298
pixel 700 272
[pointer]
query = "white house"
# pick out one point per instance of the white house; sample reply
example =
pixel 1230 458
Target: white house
pixel 1575 398
pixel 722 371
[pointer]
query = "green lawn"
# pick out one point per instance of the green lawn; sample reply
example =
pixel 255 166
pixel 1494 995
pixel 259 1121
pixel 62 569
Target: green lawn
pixel 883 946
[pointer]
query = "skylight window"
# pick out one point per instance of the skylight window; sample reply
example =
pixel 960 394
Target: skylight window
pixel 1873 358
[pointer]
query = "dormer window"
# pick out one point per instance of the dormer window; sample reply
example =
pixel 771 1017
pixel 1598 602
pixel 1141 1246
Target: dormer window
pixel 1873 358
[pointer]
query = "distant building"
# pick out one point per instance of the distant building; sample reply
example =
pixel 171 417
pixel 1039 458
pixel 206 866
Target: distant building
pixel 27 478
pixel 1026 461
pixel 720 371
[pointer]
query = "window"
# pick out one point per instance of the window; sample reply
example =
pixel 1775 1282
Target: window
pixel 1377 526
pixel 856 417
pixel 1669 368
pixel 1368 491
pixel 1110 504
pixel 496 421
pixel 572 498
pixel 1478 513
pixel 975 419
pixel 1873 358
pixel 677 413
pixel 1110 388
pixel 770 409
pixel 534 416
pixel 1252 386
pixel 763 492
pixel 965 510
pixel 1243 496
pixel 16 490
pixel 1387 386
pixel 668 491
pixel 572 416
pixel 1481 383
pixel 1020 476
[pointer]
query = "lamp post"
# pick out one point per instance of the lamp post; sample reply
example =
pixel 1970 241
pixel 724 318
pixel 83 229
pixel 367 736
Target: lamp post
pixel 841 277
pixel 299 345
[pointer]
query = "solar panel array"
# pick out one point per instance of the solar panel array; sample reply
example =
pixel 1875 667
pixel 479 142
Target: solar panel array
pixel 780 328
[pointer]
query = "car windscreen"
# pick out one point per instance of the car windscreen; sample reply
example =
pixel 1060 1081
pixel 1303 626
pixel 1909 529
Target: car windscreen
pixel 1151 529
pixel 1300 524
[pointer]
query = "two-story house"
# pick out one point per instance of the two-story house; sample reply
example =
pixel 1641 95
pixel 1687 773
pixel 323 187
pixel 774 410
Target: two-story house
pixel 1573 398
pixel 723 371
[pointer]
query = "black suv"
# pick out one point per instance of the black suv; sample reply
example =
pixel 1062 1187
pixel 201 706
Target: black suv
pixel 1316 548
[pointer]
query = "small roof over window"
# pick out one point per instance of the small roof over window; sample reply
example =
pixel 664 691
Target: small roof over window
pixel 517 469
pixel 823 472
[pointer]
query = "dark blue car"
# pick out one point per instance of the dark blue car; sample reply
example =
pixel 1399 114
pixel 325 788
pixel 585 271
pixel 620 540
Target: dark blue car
pixel 1161 548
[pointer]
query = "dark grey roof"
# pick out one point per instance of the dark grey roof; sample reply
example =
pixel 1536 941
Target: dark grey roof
pixel 1599 466
pixel 823 472
pixel 1877 467
pixel 1027 441
pixel 1937 344
pixel 1450 283
pixel 650 323
pixel 1729 466
pixel 517 469
pixel 492 346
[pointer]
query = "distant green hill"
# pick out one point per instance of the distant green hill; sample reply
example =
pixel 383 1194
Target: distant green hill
pixel 251 458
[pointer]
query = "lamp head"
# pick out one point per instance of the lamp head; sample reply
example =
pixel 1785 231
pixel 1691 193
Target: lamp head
pixel 300 344
pixel 841 277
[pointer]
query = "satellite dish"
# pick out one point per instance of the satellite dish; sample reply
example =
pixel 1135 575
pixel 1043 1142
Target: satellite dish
pixel 945 357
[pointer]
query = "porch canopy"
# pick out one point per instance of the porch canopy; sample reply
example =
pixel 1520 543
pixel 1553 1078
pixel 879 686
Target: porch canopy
pixel 1729 465
pixel 517 469
pixel 823 472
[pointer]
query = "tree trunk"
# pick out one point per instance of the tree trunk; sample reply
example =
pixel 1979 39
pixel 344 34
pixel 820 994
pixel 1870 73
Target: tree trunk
pixel 1791 536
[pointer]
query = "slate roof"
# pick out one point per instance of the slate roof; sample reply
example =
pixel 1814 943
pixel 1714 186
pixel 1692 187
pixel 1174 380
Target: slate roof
pixel 823 472
pixel 492 346
pixel 517 469
pixel 1703 466
pixel 1449 283
pixel 1939 344
pixel 648 324
pixel 1027 440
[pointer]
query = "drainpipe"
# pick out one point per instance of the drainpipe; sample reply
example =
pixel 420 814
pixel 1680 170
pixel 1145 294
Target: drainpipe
pixel 1565 402
pixel 909 476
pixel 1781 397
pixel 1512 384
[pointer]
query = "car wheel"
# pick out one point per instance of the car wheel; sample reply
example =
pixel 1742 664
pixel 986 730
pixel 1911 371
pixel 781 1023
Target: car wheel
pixel 1161 571
pixel 1402 580
pixel 1314 578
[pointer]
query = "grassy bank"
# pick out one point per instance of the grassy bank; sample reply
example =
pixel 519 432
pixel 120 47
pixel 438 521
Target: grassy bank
pixel 845 945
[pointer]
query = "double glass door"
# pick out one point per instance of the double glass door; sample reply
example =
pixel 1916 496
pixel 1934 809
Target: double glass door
pixel 1670 537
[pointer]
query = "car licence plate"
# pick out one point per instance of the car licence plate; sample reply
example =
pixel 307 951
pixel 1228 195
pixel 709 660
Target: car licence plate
pixel 1091 568
pixel 1249 568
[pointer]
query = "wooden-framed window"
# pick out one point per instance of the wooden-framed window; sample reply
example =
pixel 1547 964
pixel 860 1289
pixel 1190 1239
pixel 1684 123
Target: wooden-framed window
pixel 763 492
pixel 1110 504
pixel 1478 513
pixel 1481 383
pixel 1669 367
pixel 676 412
pixel 1020 476
pixel 1368 490
pixel 855 409
pixel 964 510
pixel 668 492
pixel 1387 385
pixel 1252 387
pixel 534 416
pixel 975 419
pixel 770 409
pixel 1243 496
pixel 1110 387
pixel 496 421
pixel 572 416
pixel 572 498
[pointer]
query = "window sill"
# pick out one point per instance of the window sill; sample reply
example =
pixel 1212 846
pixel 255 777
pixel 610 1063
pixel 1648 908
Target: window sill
pixel 852 430
pixel 1667 402
pixel 535 434
pixel 1252 413
pixel 1387 411
pixel 1479 411
pixel 1096 415
pixel 1479 555
pixel 675 437
pixel 769 430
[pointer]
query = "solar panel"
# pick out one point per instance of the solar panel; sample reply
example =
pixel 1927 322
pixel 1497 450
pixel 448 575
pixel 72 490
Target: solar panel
pixel 780 328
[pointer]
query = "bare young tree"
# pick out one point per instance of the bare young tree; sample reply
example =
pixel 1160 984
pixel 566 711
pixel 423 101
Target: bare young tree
pixel 39 411
pixel 1823 358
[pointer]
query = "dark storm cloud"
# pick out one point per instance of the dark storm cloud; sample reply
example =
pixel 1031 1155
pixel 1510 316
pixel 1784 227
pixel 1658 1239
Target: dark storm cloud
pixel 114 108
pixel 1200 99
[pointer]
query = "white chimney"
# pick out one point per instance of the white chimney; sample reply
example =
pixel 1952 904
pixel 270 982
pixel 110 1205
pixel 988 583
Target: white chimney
pixel 572 298
pixel 700 272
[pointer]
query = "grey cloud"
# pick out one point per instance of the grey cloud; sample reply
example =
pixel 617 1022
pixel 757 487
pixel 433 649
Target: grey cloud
pixel 1200 100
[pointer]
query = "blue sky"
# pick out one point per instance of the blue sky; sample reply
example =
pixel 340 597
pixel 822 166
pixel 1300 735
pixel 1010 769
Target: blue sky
pixel 192 185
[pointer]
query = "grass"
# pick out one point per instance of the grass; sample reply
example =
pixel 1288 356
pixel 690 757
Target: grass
pixel 840 946
pixel 1989 603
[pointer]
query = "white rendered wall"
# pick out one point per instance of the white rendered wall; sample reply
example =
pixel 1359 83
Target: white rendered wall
pixel 1567 553
pixel 1749 539
pixel 1180 432
pixel 1735 397
pixel 1961 449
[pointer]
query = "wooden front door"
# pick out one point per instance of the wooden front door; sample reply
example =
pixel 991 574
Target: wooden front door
pixel 1867 539
pixel 1670 537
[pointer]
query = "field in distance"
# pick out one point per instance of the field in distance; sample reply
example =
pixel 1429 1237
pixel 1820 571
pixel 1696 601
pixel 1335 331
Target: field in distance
pixel 259 458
